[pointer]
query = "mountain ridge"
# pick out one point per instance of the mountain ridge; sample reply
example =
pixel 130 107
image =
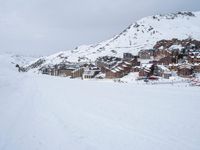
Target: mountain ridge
pixel 143 34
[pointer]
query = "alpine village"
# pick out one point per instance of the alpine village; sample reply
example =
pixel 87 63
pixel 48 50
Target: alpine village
pixel 167 59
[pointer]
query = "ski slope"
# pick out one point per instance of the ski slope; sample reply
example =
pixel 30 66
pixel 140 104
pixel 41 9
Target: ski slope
pixel 39 112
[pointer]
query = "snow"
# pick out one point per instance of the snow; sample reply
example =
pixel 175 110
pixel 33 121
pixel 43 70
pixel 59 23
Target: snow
pixel 45 112
pixel 130 78
pixel 174 47
pixel 140 35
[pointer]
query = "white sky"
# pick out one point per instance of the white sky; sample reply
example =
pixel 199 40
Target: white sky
pixel 41 27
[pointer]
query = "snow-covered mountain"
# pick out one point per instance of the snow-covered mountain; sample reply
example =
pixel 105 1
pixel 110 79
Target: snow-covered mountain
pixel 47 113
pixel 142 34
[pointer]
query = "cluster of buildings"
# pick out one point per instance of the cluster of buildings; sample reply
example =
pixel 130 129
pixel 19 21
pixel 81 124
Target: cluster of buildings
pixel 167 58
pixel 104 67
pixel 114 67
pixel 75 70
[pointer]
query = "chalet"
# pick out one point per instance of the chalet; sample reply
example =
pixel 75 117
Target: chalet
pixel 185 70
pixel 49 70
pixel 104 69
pixel 135 69
pixel 77 73
pixel 166 60
pixel 173 67
pixel 126 67
pixel 120 70
pixel 128 56
pixel 107 62
pixel 196 68
pixel 115 73
pixel 90 72
pixel 145 54
pixel 149 70
pixel 194 59
pixel 162 71
pixel 45 70
pixel 65 72
pixel 161 53
pixel 134 61
pixel 146 70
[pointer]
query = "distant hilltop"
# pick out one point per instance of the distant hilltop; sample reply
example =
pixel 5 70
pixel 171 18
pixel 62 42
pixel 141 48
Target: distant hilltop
pixel 141 35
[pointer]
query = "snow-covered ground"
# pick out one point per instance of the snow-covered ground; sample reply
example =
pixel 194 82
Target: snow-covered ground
pixel 53 113
pixel 173 81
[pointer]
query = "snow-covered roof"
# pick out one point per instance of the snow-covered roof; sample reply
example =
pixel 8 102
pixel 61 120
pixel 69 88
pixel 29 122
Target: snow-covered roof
pixel 114 71
pixel 120 68
pixel 128 63
pixel 124 65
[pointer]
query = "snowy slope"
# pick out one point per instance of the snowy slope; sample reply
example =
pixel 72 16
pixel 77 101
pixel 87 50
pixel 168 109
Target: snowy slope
pixel 44 112
pixel 140 35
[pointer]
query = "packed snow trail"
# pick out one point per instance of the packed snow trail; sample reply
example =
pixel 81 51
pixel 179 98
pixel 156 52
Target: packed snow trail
pixel 44 112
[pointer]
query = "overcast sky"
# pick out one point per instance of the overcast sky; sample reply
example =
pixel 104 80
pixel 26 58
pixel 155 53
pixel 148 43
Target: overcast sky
pixel 41 27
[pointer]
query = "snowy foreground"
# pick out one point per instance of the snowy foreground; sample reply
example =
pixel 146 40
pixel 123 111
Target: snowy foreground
pixel 52 113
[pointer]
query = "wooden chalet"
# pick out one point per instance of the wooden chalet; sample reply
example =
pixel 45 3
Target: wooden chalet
pixel 162 71
pixel 185 70
pixel 107 62
pixel 196 68
pixel 128 56
pixel 135 69
pixel 90 72
pixel 166 60
pixel 173 67
pixel 64 70
pixel 145 54
pixel 119 70
pixel 115 73
pixel 161 53
pixel 77 73
pixel 49 70
pixel 145 71
pixel 194 59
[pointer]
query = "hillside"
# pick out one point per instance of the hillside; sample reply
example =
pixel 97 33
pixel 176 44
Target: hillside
pixel 142 34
